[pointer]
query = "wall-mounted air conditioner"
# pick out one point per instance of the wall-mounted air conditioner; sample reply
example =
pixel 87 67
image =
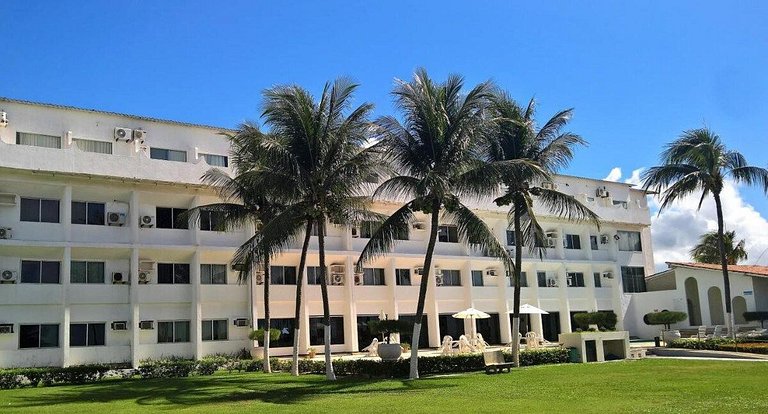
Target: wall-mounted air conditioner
pixel 419 226
pixel 139 135
pixel 337 279
pixel 6 328
pixel 6 233
pixel 8 276
pixel 439 279
pixel 418 270
pixel 355 232
pixel 358 279
pixel 259 278
pixel 608 275
pixel 491 272
pixel 241 322
pixel 115 219
pixel 602 192
pixel 603 239
pixel 550 242
pixel 338 268
pixel 146 325
pixel 118 278
pixel 551 282
pixel 145 276
pixel 147 221
pixel 123 134
pixel 119 325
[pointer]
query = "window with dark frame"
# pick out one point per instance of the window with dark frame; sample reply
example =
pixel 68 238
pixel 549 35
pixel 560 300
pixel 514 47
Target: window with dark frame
pixel 629 241
pixel 167 154
pixel 633 279
pixel 572 242
pixel 477 278
pixel 215 329
pixel 39 210
pixel 314 275
pixel 39 336
pixel 37 271
pixel 282 275
pixel 575 279
pixel 173 273
pixel 87 334
pixel 317 331
pixel 403 277
pixel 215 160
pixel 213 274
pixel 523 280
pixel 172 332
pixel 451 277
pixel 598 281
pixel 168 218
pixel 448 233
pixel 373 276
pixel 541 278
pixel 91 213
pixel 211 220
pixel 86 272
pixel 593 242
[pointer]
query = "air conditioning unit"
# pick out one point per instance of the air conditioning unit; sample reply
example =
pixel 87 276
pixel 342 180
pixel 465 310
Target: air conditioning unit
pixel 418 270
pixel 491 272
pixel 8 276
pixel 438 271
pixel 551 282
pixel 241 322
pixel 118 278
pixel 616 237
pixel 6 328
pixel 355 232
pixel 439 279
pixel 550 243
pixel 145 325
pixel 259 278
pixel 3 119
pixel 123 134
pixel 337 279
pixel 338 268
pixel 602 192
pixel 145 276
pixel 139 135
pixel 608 275
pixel 603 239
pixel 358 279
pixel 119 325
pixel 547 185
pixel 146 265
pixel 239 267
pixel 115 219
pixel 147 221
pixel 6 233
pixel 419 226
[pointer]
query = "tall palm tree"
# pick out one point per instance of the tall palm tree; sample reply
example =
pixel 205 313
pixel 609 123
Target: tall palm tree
pixel 708 249
pixel 698 161
pixel 318 165
pixel 434 155
pixel 540 153
pixel 243 204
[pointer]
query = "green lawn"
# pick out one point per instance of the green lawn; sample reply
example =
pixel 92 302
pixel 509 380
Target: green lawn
pixel 650 386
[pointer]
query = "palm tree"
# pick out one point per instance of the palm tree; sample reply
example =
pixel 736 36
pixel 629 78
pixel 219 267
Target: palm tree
pixel 434 155
pixel 243 204
pixel 318 165
pixel 539 153
pixel 708 251
pixel 698 161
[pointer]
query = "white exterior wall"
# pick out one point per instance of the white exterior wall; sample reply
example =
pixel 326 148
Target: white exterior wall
pixel 130 182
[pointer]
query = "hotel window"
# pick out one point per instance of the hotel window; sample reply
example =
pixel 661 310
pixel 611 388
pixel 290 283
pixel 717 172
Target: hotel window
pixel 572 241
pixel 541 278
pixel 39 210
pixel 168 218
pixel 317 331
pixel 523 280
pixel 172 331
pixel 451 277
pixel 282 275
pixel 633 279
pixel 173 273
pixel 510 238
pixel 215 330
pixel 477 278
pixel 285 326
pixel 86 334
pixel 86 272
pixel 167 154
pixel 629 241
pixel 38 140
pixel 367 228
pixel 39 336
pixel 598 281
pixel 575 279
pixel 373 276
pixel 212 220
pixel 213 274
pixel 593 242
pixel 313 275
pixel 215 160
pixel 448 234
pixel 403 277
pixel 88 213
pixel 36 271
pixel 89 145
pixel 401 233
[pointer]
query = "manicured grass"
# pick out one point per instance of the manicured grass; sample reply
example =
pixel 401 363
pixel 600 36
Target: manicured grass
pixel 651 386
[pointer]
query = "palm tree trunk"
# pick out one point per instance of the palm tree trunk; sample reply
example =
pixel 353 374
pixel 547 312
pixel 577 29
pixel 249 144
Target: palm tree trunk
pixel 267 321
pixel 329 374
pixel 724 263
pixel 414 374
pixel 516 294
pixel 299 283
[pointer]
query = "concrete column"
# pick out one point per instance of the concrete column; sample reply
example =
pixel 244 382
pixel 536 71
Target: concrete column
pixel 536 324
pixel 196 331
pixel 135 314
pixel 565 306
pixel 195 227
pixel 432 311
pixel 65 279
pixel 466 283
pixel 586 243
pixel 616 295
pixel 66 213
pixel 589 282
pixel 506 294
pixel 134 215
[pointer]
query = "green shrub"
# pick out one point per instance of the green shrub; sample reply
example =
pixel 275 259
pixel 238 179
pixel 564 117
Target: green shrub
pixel 605 320
pixel 258 335
pixel 167 368
pixel 665 318
pixel 706 344
pixel 33 377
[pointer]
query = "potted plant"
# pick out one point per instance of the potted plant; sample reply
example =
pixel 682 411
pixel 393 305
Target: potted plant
pixel 596 321
pixel 257 335
pixel 666 318
pixel 311 352
pixel 387 350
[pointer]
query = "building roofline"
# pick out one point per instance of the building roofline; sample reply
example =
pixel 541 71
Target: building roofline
pixel 98 111
pixel 743 269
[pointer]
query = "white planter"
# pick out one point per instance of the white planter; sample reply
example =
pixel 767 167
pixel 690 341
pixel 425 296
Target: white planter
pixel 390 352
pixel 257 352
pixel 670 335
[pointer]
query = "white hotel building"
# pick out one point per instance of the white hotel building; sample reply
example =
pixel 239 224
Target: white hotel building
pixel 94 268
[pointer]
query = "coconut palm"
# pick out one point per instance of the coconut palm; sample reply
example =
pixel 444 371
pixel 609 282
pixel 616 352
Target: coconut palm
pixel 540 153
pixel 434 155
pixel 318 165
pixel 243 204
pixel 696 162
pixel 708 251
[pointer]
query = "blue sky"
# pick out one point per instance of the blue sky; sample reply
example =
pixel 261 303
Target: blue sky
pixel 636 73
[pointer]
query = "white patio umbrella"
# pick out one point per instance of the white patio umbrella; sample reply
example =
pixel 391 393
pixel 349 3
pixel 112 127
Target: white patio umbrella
pixel 472 313
pixel 530 309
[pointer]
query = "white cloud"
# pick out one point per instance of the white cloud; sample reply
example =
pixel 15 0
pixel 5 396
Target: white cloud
pixel 633 179
pixel 614 175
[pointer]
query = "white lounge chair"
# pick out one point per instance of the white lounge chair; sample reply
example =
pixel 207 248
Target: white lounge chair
pixel 449 346
pixel 717 332
pixel 373 348
pixel 464 345
pixel 701 334
pixel 531 341
pixel 480 343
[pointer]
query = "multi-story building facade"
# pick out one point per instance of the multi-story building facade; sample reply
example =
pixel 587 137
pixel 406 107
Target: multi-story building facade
pixel 95 266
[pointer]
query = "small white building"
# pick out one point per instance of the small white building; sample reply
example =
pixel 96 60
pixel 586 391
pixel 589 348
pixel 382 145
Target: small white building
pixel 697 289
pixel 99 270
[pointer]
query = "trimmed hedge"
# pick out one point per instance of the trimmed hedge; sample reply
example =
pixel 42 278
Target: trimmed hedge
pixel 33 377
pixel 723 344
pixel 605 320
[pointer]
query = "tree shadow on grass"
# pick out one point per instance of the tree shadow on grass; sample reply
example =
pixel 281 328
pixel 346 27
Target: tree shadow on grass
pixel 272 389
